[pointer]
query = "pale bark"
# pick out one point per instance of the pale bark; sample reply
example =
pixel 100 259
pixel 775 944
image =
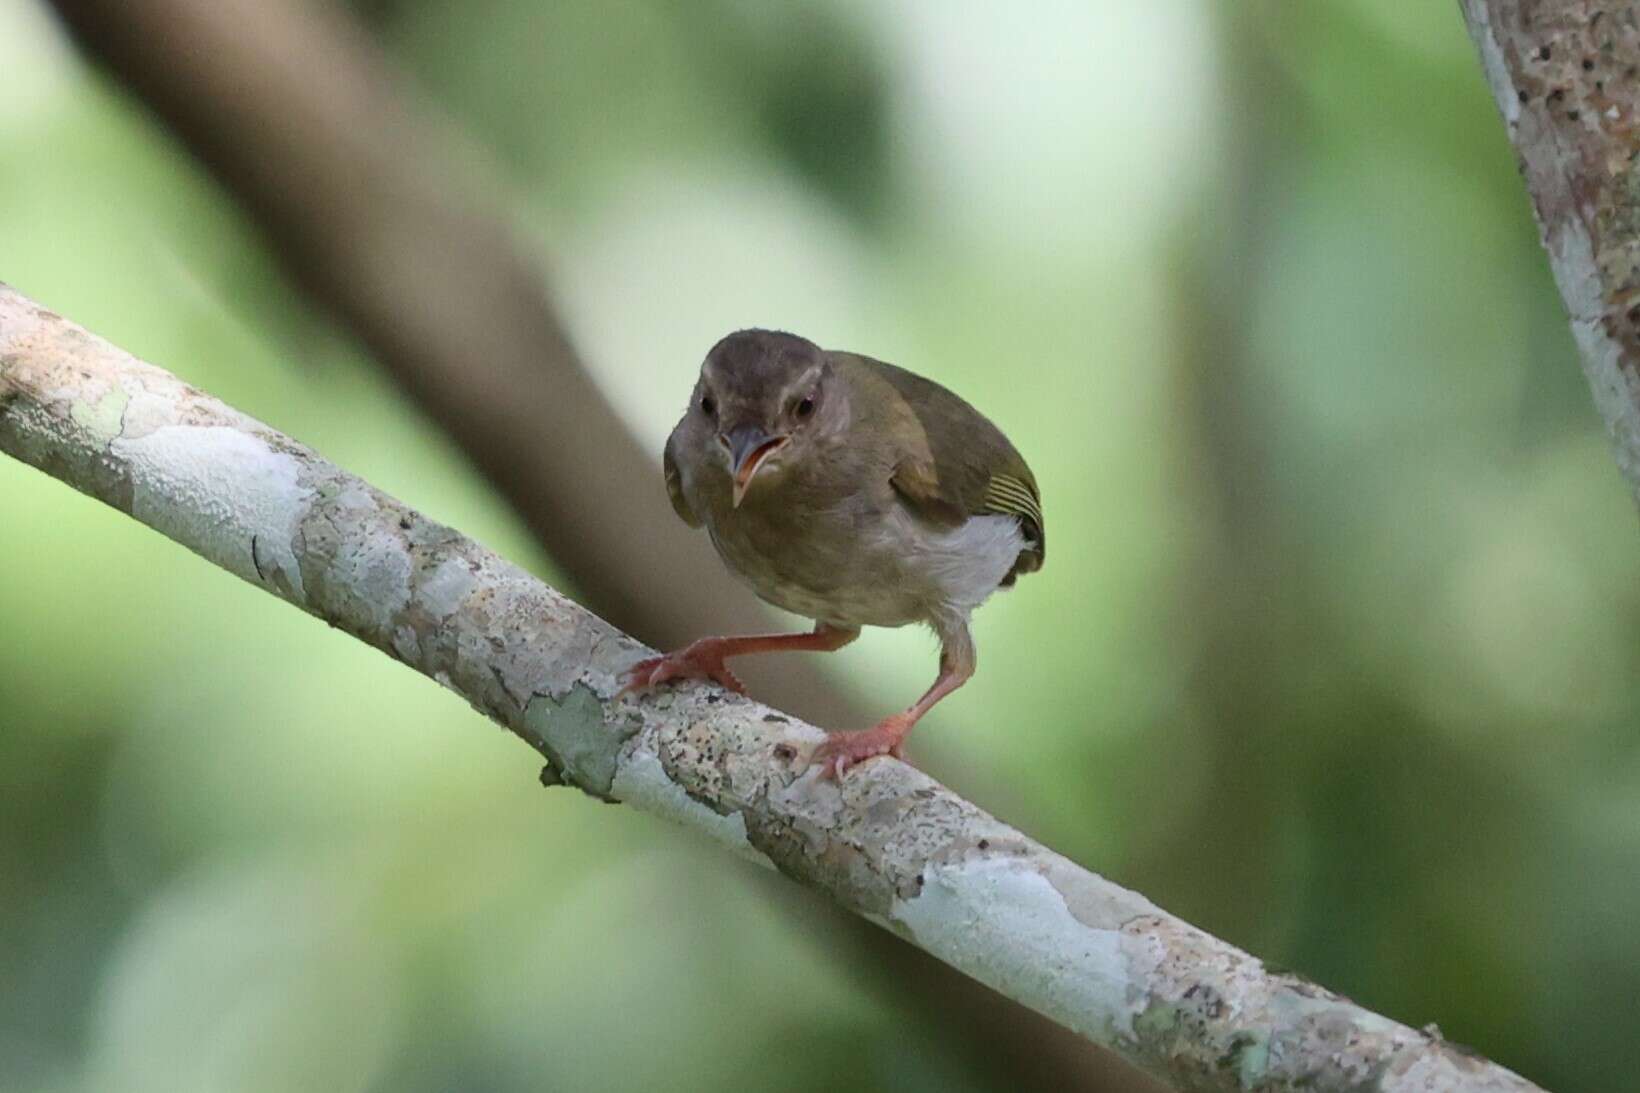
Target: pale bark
pixel 392 219
pixel 887 842
pixel 1566 75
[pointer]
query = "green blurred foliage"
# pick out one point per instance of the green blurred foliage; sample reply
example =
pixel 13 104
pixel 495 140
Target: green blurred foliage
pixel 1333 655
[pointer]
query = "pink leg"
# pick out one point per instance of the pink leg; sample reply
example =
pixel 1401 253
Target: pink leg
pixel 841 750
pixel 704 659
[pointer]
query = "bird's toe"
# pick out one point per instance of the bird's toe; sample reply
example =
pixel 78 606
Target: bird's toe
pixel 637 679
pixel 841 750
pixel 689 663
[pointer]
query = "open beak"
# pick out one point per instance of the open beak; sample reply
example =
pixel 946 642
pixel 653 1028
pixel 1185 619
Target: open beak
pixel 748 447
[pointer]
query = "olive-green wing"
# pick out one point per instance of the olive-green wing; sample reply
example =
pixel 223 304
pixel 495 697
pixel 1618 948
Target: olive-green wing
pixel 674 485
pixel 1000 493
pixel 953 463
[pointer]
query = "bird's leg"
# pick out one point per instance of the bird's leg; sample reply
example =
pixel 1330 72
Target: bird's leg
pixel 841 750
pixel 704 659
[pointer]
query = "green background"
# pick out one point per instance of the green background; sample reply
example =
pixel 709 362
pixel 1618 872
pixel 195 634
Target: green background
pixel 1333 654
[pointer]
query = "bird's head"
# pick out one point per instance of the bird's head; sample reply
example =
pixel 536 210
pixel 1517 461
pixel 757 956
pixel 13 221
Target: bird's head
pixel 764 402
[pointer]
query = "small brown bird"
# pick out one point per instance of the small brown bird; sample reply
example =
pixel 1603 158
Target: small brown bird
pixel 855 493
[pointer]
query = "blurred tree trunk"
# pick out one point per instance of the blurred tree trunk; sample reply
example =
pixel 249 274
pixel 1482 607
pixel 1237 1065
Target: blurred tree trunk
pixel 1564 74
pixel 1239 619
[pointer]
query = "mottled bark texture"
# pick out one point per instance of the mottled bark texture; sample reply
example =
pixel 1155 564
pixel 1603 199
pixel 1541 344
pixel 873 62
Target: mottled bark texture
pixel 1566 75
pixel 888 842
pixel 393 221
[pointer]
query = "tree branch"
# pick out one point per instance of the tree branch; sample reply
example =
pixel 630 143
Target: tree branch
pixel 1566 75
pixel 391 221
pixel 888 842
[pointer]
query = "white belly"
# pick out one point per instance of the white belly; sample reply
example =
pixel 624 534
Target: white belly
pixel 904 571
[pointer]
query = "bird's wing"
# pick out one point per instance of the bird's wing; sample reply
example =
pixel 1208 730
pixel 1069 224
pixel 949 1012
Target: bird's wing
pixel 951 463
pixel 674 485
pixel 967 489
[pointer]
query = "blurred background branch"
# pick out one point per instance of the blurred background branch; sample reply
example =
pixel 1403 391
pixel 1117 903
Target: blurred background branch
pixel 391 221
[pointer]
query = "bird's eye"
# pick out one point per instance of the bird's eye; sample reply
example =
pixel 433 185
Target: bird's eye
pixel 805 407
pixel 707 406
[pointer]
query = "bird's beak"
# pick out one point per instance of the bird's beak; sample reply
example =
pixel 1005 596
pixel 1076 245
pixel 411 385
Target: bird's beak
pixel 748 447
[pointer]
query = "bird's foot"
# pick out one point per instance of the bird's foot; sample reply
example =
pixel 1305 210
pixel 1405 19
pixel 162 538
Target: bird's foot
pixel 841 750
pixel 701 659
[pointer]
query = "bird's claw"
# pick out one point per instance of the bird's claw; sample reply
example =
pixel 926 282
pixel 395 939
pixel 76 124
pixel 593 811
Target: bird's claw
pixel 842 750
pixel 701 660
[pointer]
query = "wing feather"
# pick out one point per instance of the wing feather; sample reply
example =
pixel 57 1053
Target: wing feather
pixel 955 464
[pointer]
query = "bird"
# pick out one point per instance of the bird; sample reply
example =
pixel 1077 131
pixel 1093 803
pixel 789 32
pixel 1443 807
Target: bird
pixel 854 493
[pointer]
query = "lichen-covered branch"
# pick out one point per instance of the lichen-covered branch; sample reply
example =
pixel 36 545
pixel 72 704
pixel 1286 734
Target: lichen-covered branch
pixel 1566 75
pixel 888 842
pixel 389 217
